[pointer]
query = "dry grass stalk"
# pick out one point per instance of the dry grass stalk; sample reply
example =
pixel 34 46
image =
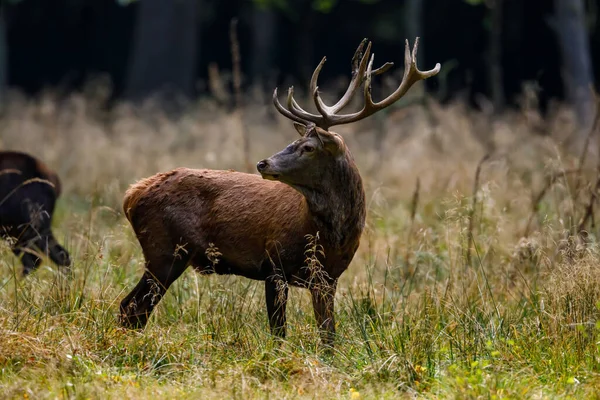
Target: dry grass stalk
pixel 236 61
pixel 413 211
pixel 535 204
pixel 216 86
pixel 471 216
pixel 589 209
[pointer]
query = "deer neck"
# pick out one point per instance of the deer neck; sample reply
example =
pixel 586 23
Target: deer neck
pixel 337 205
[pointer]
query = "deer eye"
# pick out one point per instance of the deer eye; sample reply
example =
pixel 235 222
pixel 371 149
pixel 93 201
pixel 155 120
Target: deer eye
pixel 308 148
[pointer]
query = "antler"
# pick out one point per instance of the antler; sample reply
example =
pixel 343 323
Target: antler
pixel 361 72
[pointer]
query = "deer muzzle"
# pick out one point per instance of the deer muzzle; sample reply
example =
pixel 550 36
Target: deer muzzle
pixel 265 170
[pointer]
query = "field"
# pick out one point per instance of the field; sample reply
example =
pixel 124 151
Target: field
pixel 460 289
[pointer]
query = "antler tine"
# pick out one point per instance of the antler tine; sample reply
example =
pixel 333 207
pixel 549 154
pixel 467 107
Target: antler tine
pixel 367 93
pixel 295 109
pixel 335 119
pixel 411 75
pixel 358 76
pixel 359 64
pixel 284 111
pixel 358 56
pixel 383 68
pixel 357 67
pixel 362 71
pixel 315 75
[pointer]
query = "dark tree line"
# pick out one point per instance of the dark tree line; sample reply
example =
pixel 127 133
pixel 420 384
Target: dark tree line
pixel 488 47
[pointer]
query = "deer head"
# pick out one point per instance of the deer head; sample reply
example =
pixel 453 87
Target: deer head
pixel 305 161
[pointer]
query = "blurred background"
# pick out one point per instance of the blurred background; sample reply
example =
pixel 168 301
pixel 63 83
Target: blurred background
pixel 488 48
pixel 193 78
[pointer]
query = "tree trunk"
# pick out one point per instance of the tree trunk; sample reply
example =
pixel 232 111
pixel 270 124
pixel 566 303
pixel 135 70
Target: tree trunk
pixel 163 58
pixel 263 40
pixel 573 41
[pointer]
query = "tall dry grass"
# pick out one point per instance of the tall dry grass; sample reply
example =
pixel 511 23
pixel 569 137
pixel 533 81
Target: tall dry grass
pixel 414 318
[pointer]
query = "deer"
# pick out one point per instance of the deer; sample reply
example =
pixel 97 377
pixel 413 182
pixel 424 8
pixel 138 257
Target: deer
pixel 259 227
pixel 28 194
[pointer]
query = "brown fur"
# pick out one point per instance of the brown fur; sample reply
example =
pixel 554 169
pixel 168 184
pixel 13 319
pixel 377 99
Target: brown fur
pixel 135 191
pixel 234 223
pixel 258 227
pixel 252 214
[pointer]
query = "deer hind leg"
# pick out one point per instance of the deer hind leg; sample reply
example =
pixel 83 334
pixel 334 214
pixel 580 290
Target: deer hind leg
pixel 323 295
pixel 29 259
pixel 160 273
pixel 27 248
pixel 276 294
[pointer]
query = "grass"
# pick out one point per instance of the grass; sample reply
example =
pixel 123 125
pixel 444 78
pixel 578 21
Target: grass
pixel 413 318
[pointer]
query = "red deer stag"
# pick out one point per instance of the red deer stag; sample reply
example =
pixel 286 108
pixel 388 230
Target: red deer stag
pixel 235 223
pixel 28 192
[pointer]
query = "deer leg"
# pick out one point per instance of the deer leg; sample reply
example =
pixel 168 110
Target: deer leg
pixel 137 306
pixel 323 295
pixel 48 245
pixel 29 260
pixel 58 254
pixel 276 293
pixel 25 248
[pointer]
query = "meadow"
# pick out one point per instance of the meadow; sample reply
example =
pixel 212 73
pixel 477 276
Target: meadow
pixel 473 279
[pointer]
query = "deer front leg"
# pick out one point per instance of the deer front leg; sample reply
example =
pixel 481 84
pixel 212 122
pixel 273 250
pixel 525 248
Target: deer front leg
pixel 276 293
pixel 58 254
pixel 323 295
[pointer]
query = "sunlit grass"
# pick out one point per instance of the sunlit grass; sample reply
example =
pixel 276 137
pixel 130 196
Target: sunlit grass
pixel 413 319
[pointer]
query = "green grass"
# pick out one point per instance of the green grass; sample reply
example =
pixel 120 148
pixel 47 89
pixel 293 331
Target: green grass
pixel 413 320
pixel 435 328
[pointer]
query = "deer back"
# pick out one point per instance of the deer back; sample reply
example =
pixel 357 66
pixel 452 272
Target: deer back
pixel 246 218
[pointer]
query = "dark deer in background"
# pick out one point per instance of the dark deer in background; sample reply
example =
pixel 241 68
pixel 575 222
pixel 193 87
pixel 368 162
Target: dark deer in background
pixel 235 223
pixel 28 193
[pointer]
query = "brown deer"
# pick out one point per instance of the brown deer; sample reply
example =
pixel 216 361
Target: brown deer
pixel 228 222
pixel 28 193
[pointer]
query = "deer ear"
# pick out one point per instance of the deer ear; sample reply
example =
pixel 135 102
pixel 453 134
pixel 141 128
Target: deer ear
pixel 332 141
pixel 300 128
